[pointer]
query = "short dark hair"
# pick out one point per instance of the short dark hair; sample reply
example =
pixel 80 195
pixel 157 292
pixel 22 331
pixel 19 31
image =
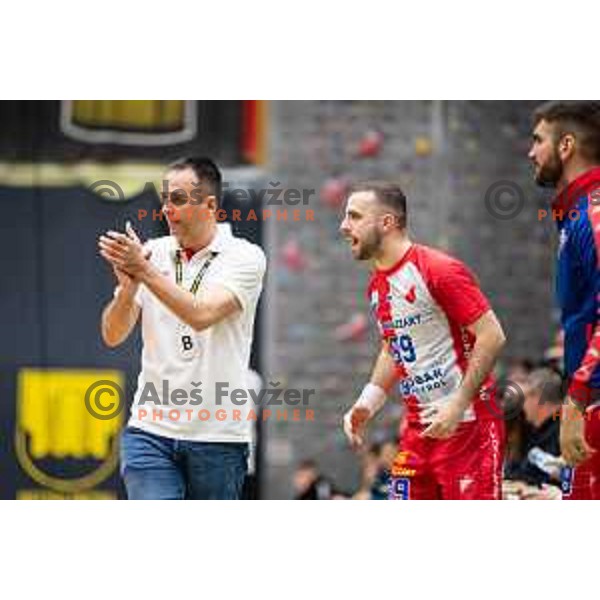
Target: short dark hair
pixel 549 383
pixel 580 117
pixel 387 193
pixel 308 464
pixel 205 170
pixel 521 362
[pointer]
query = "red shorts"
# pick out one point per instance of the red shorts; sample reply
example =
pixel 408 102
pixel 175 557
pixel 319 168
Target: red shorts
pixel 466 466
pixel 585 479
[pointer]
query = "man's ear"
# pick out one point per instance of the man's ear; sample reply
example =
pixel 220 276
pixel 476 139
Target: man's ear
pixel 390 221
pixel 566 146
pixel 212 203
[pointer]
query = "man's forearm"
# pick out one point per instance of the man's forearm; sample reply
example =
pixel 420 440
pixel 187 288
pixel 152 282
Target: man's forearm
pixel 580 390
pixel 119 316
pixel 383 377
pixel 480 365
pixel 384 372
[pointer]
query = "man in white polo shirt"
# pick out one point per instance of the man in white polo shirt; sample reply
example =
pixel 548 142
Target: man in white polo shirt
pixel 197 292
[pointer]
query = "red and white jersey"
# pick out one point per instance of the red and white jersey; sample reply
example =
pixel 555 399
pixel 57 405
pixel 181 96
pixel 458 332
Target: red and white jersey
pixel 423 305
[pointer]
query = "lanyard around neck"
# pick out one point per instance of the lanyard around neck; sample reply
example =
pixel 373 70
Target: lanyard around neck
pixel 199 276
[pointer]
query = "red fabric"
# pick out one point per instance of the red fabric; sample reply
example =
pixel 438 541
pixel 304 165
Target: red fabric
pixel 455 289
pixel 249 130
pixel 450 282
pixel 188 253
pixel 379 283
pixel 467 466
pixel 408 255
pixel 576 189
pixel 586 477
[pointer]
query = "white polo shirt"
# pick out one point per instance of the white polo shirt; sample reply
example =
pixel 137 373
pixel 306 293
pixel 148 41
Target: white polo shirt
pixel 217 356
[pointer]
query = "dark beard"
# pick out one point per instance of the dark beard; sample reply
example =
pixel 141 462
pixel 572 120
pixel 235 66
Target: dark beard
pixel 370 245
pixel 551 173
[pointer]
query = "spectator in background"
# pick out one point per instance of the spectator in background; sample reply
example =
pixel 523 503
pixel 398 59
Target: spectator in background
pixel 539 459
pixel 516 376
pixel 309 484
pixel 368 472
pixel 383 465
pixel 518 370
pixel 515 438
pixel 375 471
pixel 554 355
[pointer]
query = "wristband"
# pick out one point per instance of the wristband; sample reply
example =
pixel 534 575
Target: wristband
pixel 372 398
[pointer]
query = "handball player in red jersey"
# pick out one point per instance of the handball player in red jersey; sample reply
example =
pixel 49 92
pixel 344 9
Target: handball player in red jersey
pixel 440 340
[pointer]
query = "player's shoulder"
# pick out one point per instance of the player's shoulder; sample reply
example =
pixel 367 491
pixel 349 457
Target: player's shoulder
pixel 590 197
pixel 434 259
pixel 440 269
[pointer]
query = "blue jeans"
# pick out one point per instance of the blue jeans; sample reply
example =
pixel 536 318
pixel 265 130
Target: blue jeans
pixel 159 468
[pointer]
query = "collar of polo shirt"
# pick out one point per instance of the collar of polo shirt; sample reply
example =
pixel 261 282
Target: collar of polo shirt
pixel 219 242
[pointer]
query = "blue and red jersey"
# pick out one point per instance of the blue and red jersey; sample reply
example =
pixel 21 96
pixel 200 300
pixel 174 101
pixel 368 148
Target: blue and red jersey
pixel 577 213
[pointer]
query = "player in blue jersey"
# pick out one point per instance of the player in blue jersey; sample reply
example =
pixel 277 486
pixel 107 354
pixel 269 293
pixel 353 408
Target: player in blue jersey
pixel 565 153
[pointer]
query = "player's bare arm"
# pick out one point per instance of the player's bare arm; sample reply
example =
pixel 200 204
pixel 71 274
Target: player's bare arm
pixel 574 448
pixel 199 312
pixel 490 340
pixel 372 398
pixel 573 445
